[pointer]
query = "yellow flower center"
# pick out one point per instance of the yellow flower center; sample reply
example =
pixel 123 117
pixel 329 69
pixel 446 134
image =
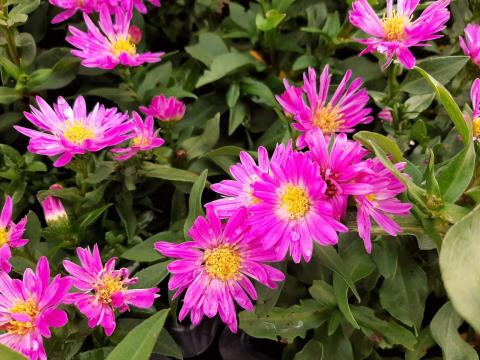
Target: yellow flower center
pixel 3 236
pixel 370 197
pixel 328 119
pixel 139 141
pixel 19 327
pixel 223 262
pixel 476 127
pixel 106 287
pixel 394 27
pixel 77 133
pixel 295 201
pixel 30 308
pixel 120 46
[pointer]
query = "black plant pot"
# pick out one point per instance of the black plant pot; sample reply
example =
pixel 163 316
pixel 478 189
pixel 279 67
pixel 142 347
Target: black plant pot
pixel 194 340
pixel 240 346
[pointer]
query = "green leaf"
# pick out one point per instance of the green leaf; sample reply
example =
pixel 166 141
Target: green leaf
pixel 166 346
pixel 8 95
pixel 444 330
pixel 224 65
pixel 258 89
pixel 233 94
pixel 448 103
pixel 284 323
pixel 388 145
pixel 62 74
pixel 97 354
pixel 329 258
pixel 151 276
pixel 195 208
pixel 8 354
pixel 425 342
pixel 209 46
pixel 124 208
pixel 198 145
pixel 139 343
pixel 267 298
pixel 340 289
pixel 460 267
pixel 312 350
pixel 323 293
pixel 386 333
pixel 158 75
pixel 441 68
pixel 432 186
pixel 92 216
pixel 144 252
pixel 404 294
pixel 236 118
pixel 167 173
pixel 270 21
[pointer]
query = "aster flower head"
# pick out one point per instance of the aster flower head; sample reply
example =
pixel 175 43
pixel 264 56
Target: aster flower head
pixel 104 289
pixel 471 44
pixel 291 207
pixel 111 44
pixel 239 191
pixel 312 108
pixel 216 266
pixel 397 31
pixel 139 5
pixel 381 202
pixel 165 108
pixel 29 308
pixel 68 131
pixel 145 138
pixel 70 7
pixel 340 167
pixel 475 97
pixel 55 214
pixel 11 234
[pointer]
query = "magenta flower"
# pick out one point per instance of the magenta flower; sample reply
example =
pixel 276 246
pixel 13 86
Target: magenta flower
pixel 28 308
pixel 381 202
pixel 471 44
pixel 138 4
pixel 291 207
pixel 113 47
pixel 340 167
pixel 71 7
pixel 396 32
pixel 55 214
pixel 135 34
pixel 475 96
pixel 10 234
pixel 104 289
pixel 239 192
pixel 386 115
pixel 215 268
pixel 341 113
pixel 145 138
pixel 68 132
pixel 165 108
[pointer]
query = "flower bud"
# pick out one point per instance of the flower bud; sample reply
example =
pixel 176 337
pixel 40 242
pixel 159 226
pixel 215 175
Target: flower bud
pixel 55 213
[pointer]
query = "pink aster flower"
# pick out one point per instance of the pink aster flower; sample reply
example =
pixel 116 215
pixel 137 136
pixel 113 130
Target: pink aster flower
pixel 135 34
pixel 28 308
pixel 386 115
pixel 110 45
pixel 381 202
pixel 471 44
pixel 345 109
pixel 68 132
pixel 165 108
pixel 396 32
pixel 291 207
pixel 340 165
pixel 10 234
pixel 145 138
pixel 55 214
pixel 216 266
pixel 138 4
pixel 104 289
pixel 475 96
pixel 71 7
pixel 239 192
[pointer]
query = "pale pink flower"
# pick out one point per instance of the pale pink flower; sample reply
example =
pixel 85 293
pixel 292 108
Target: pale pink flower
pixel 165 108
pixel 55 214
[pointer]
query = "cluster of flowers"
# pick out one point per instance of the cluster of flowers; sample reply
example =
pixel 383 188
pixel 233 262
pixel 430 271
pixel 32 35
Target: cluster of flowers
pixel 285 202
pixel 30 307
